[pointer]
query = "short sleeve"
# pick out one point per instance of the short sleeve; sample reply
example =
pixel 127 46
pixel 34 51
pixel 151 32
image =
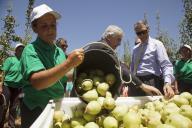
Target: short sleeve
pixel 6 64
pixel 30 63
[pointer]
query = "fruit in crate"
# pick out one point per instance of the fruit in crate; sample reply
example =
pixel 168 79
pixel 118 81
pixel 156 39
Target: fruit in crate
pixel 110 122
pixel 179 121
pixel 93 108
pixel 154 114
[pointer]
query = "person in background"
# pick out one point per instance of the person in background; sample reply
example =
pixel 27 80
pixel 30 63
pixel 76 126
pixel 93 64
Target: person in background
pixel 44 65
pixel 62 43
pixel 183 70
pixel 112 36
pixel 150 62
pixel 10 87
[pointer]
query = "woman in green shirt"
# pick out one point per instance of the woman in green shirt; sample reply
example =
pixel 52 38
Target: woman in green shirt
pixel 44 65
pixel 183 70
pixel 11 87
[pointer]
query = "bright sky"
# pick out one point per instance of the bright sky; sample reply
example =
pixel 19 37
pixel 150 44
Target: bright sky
pixel 84 21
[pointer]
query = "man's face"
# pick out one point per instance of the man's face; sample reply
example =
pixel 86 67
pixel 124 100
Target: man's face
pixel 114 41
pixel 142 32
pixel 46 28
pixel 63 45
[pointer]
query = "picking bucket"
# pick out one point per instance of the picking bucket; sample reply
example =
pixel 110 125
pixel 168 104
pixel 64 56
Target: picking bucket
pixel 99 55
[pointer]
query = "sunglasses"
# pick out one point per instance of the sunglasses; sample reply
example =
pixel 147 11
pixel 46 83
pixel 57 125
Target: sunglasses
pixel 141 33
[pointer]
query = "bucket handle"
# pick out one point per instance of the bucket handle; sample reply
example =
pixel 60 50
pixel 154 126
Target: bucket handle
pixel 125 83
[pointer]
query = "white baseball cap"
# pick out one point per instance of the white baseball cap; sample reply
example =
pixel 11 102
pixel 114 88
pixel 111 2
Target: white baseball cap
pixel 19 45
pixel 187 46
pixel 41 10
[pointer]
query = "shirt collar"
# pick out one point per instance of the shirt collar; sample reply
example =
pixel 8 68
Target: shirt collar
pixel 46 46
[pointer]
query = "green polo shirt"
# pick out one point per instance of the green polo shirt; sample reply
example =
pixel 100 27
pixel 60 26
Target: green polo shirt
pixel 12 76
pixel 183 70
pixel 38 56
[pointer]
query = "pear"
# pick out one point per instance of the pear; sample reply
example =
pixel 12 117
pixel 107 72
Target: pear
pixel 110 122
pixel 178 121
pixel 90 95
pixel 132 120
pixel 58 125
pixel 169 109
pixel 110 78
pixel 77 121
pixel 179 101
pixel 66 121
pixel 58 116
pixel 100 100
pixel 89 117
pixel 91 125
pixel 79 126
pixel 158 105
pixel 153 123
pixel 134 108
pixel 186 110
pixel 119 112
pixel 102 88
pixel 66 124
pixel 87 84
pixel 109 103
pixel 154 119
pixel 97 80
pixel 99 120
pixel 165 126
pixel 149 105
pixel 186 95
pixel 93 108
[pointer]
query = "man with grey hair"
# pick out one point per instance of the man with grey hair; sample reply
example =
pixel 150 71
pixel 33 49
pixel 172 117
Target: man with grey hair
pixel 112 36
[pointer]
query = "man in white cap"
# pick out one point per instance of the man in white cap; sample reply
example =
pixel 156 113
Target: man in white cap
pixel 10 87
pixel 44 65
pixel 183 70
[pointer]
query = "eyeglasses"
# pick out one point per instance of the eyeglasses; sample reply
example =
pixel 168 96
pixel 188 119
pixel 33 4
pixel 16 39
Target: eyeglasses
pixel 141 33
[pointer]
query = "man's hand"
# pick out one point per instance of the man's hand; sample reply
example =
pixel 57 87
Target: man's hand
pixel 150 90
pixel 168 91
pixel 124 91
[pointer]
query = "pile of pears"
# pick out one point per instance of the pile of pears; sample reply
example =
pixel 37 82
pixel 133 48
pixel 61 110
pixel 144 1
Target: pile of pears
pixel 103 112
pixel 94 83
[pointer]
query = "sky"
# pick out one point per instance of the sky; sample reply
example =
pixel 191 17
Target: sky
pixel 84 21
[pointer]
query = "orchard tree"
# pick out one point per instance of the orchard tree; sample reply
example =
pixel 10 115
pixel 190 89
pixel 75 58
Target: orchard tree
pixel 186 24
pixel 127 54
pixel 28 29
pixel 168 42
pixel 8 35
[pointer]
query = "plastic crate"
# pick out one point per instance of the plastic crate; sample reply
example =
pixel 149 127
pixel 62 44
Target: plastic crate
pixel 45 120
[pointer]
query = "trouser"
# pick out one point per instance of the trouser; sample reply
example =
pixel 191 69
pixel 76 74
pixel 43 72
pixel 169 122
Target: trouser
pixel 29 116
pixel 12 101
pixel 151 80
pixel 184 86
